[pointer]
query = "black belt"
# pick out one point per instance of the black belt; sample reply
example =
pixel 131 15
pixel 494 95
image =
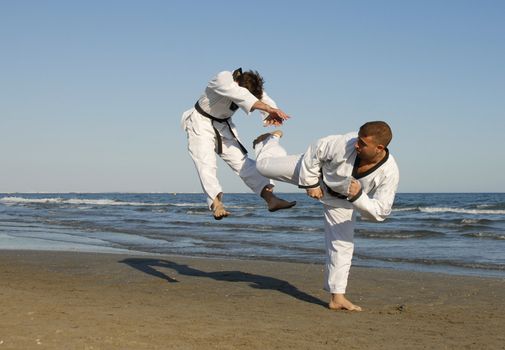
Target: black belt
pixel 333 193
pixel 219 140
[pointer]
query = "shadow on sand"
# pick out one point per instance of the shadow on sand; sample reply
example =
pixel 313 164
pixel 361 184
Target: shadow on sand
pixel 149 266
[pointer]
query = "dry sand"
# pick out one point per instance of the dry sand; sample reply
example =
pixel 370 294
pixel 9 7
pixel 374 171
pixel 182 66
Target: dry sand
pixel 54 300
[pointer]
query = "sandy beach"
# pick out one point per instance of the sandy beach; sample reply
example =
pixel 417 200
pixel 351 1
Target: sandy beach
pixel 56 300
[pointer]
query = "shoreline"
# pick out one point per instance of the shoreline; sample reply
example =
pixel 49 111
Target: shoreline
pixel 454 235
pixel 62 300
pixel 382 265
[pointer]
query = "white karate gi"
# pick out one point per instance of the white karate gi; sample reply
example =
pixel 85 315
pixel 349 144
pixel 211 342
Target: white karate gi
pixel 330 162
pixel 217 100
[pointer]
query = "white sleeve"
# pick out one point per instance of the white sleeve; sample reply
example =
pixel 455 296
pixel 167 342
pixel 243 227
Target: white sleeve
pixel 312 160
pixel 224 85
pixel 378 207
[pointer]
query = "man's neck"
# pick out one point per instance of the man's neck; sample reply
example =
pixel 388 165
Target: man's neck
pixel 365 165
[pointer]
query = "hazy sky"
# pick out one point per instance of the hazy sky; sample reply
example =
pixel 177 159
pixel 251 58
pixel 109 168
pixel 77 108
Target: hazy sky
pixel 91 92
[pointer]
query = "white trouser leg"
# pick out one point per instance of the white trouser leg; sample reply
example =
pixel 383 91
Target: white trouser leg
pixel 242 165
pixel 273 162
pixel 339 237
pixel 201 147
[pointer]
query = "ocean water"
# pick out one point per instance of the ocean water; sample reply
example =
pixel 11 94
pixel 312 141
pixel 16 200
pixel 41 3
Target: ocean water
pixel 448 233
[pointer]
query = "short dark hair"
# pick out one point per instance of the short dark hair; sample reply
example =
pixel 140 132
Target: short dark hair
pixel 379 130
pixel 252 81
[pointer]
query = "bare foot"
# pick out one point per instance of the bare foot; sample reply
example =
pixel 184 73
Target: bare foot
pixel 218 209
pixel 263 137
pixel 275 203
pixel 340 302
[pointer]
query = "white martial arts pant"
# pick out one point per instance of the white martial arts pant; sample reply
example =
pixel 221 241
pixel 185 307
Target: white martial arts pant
pixel 339 240
pixel 202 145
pixel 273 162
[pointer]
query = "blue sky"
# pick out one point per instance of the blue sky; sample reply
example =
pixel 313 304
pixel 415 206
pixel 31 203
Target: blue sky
pixel 91 92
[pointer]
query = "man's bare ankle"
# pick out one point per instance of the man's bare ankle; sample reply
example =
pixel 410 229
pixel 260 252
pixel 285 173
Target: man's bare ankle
pixel 267 192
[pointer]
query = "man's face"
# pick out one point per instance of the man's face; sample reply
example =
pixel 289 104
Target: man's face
pixel 367 148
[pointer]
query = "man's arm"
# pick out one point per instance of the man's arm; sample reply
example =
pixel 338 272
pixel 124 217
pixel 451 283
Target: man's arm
pixel 310 169
pixel 224 85
pixel 268 119
pixel 377 207
pixel 275 115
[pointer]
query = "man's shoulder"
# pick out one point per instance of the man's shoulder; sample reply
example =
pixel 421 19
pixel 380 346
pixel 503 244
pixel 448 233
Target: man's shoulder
pixel 224 75
pixel 224 78
pixel 391 166
pixel 337 147
pixel 393 161
pixel 340 137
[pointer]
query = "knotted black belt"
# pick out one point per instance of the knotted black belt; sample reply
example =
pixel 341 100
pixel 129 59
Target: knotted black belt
pixel 219 148
pixel 333 193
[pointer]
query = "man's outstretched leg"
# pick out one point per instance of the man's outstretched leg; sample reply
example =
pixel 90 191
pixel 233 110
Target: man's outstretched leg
pixel 264 137
pixel 266 147
pixel 272 160
pixel 245 168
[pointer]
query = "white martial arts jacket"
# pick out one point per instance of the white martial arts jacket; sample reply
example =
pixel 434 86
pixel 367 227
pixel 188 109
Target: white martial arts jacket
pixel 331 163
pixel 223 95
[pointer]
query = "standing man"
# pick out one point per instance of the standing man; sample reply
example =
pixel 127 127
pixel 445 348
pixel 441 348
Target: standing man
pixel 211 131
pixel 348 173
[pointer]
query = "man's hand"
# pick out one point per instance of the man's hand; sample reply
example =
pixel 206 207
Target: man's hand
pixel 275 117
pixel 316 192
pixel 354 188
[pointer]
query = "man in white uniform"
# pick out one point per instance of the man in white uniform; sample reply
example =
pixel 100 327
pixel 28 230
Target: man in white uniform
pixel 210 130
pixel 348 173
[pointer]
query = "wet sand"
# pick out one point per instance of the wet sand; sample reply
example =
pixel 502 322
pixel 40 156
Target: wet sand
pixel 56 300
